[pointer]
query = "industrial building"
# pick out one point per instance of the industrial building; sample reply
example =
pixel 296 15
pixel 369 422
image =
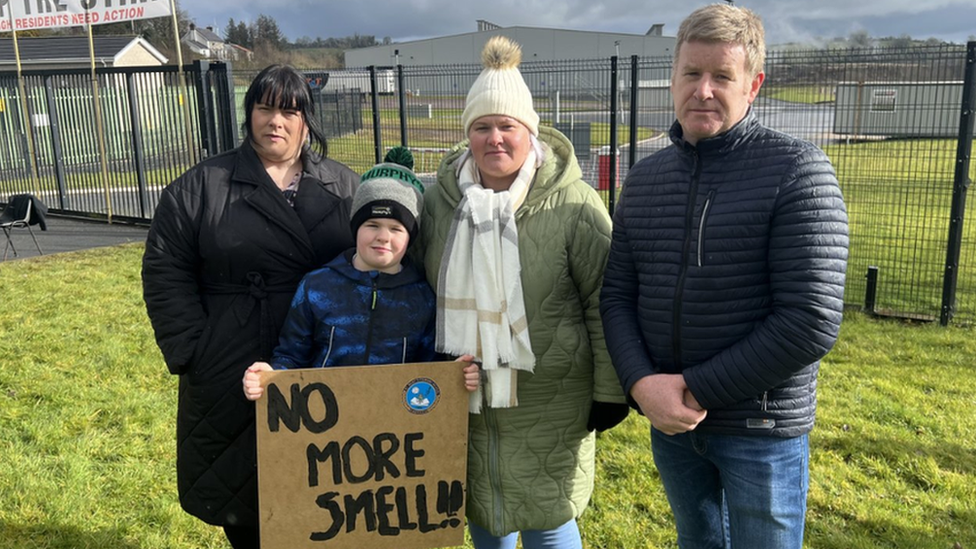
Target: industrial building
pixel 538 44
pixel 567 72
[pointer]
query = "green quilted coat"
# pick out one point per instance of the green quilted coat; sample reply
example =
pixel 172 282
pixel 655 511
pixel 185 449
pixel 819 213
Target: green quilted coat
pixel 531 467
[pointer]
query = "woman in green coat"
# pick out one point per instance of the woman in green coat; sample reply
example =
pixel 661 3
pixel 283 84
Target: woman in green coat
pixel 514 244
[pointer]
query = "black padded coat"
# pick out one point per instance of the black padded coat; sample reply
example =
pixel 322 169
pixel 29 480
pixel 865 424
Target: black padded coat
pixel 223 258
pixel 727 265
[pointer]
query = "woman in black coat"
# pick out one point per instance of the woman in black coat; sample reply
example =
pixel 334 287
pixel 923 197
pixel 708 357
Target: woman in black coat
pixel 230 240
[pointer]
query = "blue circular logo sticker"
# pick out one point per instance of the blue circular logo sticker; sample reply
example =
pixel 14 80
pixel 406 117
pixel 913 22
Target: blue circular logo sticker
pixel 420 395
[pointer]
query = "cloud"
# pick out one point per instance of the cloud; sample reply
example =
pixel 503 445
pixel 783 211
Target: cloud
pixel 412 19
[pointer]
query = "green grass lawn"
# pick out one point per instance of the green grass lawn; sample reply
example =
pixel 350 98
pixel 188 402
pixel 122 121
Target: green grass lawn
pixel 798 94
pixel 898 195
pixel 87 429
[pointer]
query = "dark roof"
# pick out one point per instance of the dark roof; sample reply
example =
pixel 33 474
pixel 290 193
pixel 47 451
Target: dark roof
pixel 61 47
pixel 194 43
pixel 209 35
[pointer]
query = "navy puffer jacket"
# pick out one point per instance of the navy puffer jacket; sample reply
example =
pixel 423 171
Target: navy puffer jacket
pixel 344 317
pixel 727 266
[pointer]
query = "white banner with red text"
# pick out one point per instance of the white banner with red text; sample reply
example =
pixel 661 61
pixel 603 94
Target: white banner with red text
pixel 24 15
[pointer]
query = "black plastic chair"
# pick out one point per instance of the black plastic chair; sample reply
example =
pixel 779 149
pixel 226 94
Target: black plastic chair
pixel 20 213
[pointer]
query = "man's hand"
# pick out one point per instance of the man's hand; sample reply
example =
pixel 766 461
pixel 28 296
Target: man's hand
pixel 667 403
pixel 690 401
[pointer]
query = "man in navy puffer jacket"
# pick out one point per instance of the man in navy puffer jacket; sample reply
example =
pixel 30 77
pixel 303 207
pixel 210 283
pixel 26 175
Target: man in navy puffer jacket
pixel 723 290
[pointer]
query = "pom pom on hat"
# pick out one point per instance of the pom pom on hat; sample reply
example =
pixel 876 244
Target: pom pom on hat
pixel 500 88
pixel 401 156
pixel 390 190
pixel 501 53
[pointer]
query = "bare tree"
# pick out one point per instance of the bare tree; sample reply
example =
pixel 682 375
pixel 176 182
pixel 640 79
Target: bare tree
pixel 902 41
pixel 860 39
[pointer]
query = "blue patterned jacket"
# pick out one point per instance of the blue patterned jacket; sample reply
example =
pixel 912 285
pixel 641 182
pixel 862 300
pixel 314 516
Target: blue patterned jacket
pixel 344 317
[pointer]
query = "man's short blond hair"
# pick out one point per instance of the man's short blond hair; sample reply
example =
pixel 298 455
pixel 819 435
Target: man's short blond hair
pixel 722 23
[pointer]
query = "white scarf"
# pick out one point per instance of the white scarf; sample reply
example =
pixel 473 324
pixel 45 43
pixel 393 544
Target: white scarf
pixel 480 308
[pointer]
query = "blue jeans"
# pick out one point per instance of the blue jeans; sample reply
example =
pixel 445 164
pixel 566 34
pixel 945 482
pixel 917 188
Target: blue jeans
pixel 735 491
pixel 566 536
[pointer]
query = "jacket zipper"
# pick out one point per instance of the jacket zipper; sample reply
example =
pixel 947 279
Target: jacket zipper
pixel 701 225
pixel 765 400
pixel 403 356
pixel 369 327
pixel 685 249
pixel 329 352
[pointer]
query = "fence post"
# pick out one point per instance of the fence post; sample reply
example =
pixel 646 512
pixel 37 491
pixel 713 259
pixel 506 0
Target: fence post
pixel 225 103
pixel 402 93
pixel 960 184
pixel 56 149
pixel 137 146
pixel 634 83
pixel 26 141
pixel 871 290
pixel 614 85
pixel 201 81
pixel 375 102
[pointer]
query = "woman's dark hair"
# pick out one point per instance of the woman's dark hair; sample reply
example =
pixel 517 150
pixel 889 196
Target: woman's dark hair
pixel 284 87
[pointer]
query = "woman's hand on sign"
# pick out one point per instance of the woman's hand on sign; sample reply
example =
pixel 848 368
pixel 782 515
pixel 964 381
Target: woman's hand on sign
pixel 252 380
pixel 472 374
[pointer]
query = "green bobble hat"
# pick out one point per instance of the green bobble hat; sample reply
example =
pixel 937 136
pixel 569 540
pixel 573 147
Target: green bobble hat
pixel 390 190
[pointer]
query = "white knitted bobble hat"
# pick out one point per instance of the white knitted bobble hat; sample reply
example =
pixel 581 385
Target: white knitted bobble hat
pixel 500 89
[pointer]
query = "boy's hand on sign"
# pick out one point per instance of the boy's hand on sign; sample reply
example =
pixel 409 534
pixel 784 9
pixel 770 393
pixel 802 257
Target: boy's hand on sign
pixel 472 375
pixel 252 380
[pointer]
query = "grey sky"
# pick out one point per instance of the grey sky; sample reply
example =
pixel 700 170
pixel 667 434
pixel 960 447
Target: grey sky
pixel 402 20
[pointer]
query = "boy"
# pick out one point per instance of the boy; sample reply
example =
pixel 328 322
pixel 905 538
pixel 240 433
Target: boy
pixel 370 305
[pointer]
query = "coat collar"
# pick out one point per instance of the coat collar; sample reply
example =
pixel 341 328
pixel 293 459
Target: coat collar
pixel 721 143
pixel 410 274
pixel 313 203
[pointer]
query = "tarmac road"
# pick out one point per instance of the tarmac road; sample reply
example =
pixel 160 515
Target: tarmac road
pixel 65 234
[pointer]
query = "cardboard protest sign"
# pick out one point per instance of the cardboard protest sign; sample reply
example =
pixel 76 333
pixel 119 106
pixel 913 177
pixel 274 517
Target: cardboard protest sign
pixel 365 456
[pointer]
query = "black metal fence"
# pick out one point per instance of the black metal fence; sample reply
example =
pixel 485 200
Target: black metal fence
pixel 897 124
pixel 144 138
